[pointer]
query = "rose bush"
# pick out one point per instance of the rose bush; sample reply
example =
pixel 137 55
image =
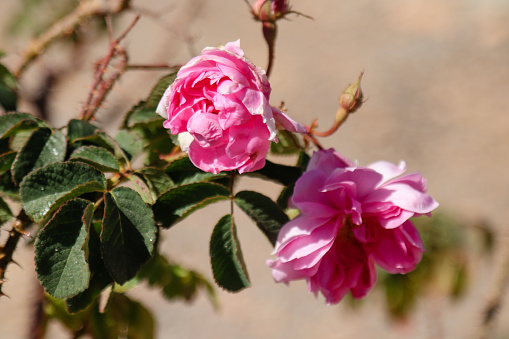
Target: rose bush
pixel 219 107
pixel 351 218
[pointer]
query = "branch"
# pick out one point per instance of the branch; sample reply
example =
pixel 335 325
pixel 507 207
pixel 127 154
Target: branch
pixel 102 86
pixel 65 26
pixel 494 303
pixel 6 251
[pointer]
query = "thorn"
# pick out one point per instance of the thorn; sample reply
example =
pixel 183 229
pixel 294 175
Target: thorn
pixel 3 294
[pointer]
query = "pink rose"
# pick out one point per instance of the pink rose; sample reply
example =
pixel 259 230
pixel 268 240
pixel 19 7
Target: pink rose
pixel 270 10
pixel 351 218
pixel 219 107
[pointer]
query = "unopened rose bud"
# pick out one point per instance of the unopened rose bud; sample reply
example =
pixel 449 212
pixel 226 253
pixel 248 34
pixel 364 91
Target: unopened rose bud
pixel 351 99
pixel 270 10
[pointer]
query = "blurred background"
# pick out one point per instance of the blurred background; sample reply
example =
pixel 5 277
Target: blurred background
pixel 435 83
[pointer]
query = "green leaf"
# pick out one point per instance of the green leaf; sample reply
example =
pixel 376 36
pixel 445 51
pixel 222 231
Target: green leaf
pixel 158 181
pixel 43 190
pixel 5 212
pixel 128 233
pixel 78 129
pixel 142 115
pixel 150 183
pixel 20 138
pixel 282 174
pixel 158 90
pixel 60 260
pixel 179 202
pixel 103 140
pixel 130 317
pixel 98 157
pixel 15 122
pixel 182 171
pixel 175 281
pixel 267 215
pixel 43 148
pixel 131 142
pixel 8 89
pixel 226 258
pixel 284 196
pixel 99 281
pixel 7 187
pixel 143 189
pixel 6 161
pixel 288 143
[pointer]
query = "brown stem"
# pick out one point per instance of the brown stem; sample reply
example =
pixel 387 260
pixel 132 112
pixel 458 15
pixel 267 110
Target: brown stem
pixel 101 87
pixel 309 137
pixel 341 116
pixel 6 251
pixel 65 26
pixel 494 303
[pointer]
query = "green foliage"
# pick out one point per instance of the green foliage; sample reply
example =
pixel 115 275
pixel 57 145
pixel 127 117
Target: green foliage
pixel 267 215
pixel 182 171
pixel 47 188
pixel 13 123
pixel 128 233
pixel 42 148
pixel 150 183
pixel 130 142
pixel 60 259
pixel 288 143
pixel 175 281
pixel 177 203
pixel 282 174
pixel 226 257
pixel 97 237
pixel 444 268
pixel 8 90
pixel 122 318
pixel 5 212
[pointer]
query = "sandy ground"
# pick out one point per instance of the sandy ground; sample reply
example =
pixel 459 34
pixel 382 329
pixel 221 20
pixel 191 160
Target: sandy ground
pixel 436 77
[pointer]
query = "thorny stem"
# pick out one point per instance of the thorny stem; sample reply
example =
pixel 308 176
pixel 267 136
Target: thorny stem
pixel 6 251
pixel 495 300
pixel 101 87
pixel 66 26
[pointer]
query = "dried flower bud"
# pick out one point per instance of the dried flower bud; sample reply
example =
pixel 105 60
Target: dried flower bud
pixel 351 99
pixel 270 10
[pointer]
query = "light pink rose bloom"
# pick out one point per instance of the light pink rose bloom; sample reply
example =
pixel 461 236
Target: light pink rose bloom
pixel 219 107
pixel 352 218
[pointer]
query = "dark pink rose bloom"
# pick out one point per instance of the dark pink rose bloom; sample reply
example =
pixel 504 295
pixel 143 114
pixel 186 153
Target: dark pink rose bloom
pixel 352 217
pixel 219 107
